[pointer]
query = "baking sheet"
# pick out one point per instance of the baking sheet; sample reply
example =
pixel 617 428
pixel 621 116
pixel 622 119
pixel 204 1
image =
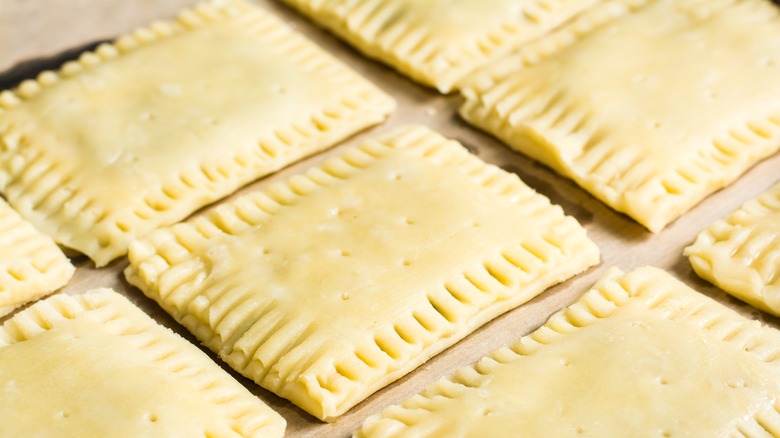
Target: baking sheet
pixel 38 34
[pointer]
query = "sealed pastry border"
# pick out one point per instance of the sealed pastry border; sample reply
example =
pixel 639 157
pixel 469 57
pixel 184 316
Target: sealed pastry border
pixel 481 81
pixel 660 295
pixel 163 266
pixel 415 52
pixel 712 255
pixel 502 109
pixel 39 266
pixel 35 185
pixel 248 415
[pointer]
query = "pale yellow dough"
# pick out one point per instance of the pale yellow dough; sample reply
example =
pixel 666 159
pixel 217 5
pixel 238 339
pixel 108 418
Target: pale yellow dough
pixel 94 365
pixel 741 254
pixel 439 42
pixel 333 284
pixel 650 107
pixel 31 264
pixel 641 354
pixel 144 131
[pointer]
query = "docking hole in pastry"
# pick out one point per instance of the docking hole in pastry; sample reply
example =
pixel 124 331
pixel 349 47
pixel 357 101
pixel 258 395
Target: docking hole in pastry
pixel 95 365
pixel 640 354
pixel 439 42
pixel 741 254
pixel 143 131
pixel 651 111
pixel 31 264
pixel 337 282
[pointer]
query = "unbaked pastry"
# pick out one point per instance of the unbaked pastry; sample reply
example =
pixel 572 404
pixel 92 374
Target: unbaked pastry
pixel 439 42
pixel 741 254
pixel 94 365
pixel 31 264
pixel 641 354
pixel 141 132
pixel 329 286
pixel 652 111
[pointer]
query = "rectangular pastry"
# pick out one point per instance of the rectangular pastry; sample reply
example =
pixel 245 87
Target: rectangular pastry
pixel 741 254
pixel 640 354
pixel 651 111
pixel 31 264
pixel 94 365
pixel 439 42
pixel 143 131
pixel 329 286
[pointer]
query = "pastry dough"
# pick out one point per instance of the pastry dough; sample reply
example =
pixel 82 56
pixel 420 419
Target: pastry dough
pixel 94 365
pixel 31 264
pixel 741 254
pixel 547 45
pixel 439 42
pixel 640 354
pixel 333 284
pixel 142 132
pixel 652 111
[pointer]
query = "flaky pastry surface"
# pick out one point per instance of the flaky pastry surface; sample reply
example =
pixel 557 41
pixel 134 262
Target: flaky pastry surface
pixel 650 107
pixel 741 253
pixel 639 354
pixel 143 131
pixel 333 284
pixel 94 365
pixel 439 42
pixel 31 264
